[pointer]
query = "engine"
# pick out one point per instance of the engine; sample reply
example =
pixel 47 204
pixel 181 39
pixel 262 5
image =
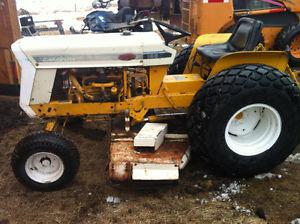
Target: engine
pixel 100 84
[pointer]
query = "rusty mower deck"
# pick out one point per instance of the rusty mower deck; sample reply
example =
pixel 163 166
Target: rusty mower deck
pixel 127 162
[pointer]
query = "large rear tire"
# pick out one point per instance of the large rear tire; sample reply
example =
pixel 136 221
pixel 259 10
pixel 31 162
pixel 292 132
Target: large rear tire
pixel 289 38
pixel 45 161
pixel 245 120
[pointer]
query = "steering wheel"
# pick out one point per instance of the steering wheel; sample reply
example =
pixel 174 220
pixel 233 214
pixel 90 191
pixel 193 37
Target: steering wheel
pixel 104 4
pixel 168 36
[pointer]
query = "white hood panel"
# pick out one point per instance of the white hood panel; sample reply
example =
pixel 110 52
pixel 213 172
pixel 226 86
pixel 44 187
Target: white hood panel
pixel 96 50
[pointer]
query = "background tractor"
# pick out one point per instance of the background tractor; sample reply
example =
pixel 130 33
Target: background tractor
pixel 240 103
pixel 281 29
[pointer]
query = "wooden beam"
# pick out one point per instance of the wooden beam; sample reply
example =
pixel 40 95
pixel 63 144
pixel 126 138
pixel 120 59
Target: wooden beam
pixel 9 25
pixel 9 33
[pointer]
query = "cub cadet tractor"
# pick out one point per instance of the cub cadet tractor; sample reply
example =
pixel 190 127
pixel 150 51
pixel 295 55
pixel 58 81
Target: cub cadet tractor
pixel 241 103
pixel 281 29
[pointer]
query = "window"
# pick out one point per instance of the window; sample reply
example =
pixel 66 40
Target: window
pixel 254 5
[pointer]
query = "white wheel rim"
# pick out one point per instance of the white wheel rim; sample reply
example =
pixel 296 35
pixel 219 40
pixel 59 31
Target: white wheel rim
pixel 44 167
pixel 253 129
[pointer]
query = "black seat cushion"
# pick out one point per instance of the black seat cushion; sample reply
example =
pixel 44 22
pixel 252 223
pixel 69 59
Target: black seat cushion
pixel 245 37
pixel 213 52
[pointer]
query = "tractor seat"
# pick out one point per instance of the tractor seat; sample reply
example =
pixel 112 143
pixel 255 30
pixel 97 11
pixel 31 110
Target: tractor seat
pixel 245 37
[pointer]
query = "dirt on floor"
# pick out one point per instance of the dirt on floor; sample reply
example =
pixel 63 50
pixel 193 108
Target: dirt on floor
pixel 201 196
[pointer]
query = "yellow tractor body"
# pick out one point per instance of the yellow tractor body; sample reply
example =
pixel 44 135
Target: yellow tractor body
pixel 173 91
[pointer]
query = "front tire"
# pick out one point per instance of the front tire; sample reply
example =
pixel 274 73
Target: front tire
pixel 45 161
pixel 245 120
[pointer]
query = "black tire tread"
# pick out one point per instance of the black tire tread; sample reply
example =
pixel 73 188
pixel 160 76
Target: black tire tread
pixel 180 61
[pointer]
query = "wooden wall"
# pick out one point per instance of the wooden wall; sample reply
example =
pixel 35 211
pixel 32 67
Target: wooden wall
pixel 185 11
pixel 9 32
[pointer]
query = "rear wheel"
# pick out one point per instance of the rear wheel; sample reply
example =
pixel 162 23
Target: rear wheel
pixel 45 161
pixel 289 38
pixel 253 129
pixel 240 122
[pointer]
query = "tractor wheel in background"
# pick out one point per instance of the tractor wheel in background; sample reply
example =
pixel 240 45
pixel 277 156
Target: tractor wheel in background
pixel 289 38
pixel 45 161
pixel 180 61
pixel 245 120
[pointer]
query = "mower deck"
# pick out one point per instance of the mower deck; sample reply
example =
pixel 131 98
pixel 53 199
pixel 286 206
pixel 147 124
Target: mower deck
pixel 125 163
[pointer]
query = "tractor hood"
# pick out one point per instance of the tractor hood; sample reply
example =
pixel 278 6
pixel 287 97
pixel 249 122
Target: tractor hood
pixel 95 50
pixel 40 57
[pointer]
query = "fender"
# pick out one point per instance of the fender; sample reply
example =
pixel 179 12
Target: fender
pixel 275 59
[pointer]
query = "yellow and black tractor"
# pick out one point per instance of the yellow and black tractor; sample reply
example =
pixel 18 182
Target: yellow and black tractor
pixel 241 103
pixel 281 30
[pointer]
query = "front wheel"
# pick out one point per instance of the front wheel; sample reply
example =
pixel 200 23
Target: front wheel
pixel 45 161
pixel 245 120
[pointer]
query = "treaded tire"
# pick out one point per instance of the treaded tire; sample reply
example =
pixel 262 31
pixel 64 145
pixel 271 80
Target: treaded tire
pixel 45 142
pixel 225 94
pixel 284 40
pixel 180 61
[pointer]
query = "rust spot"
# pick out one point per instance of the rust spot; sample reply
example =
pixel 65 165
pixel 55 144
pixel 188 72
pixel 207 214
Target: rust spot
pixel 127 57
pixel 239 116
pixel 120 171
pixel 122 157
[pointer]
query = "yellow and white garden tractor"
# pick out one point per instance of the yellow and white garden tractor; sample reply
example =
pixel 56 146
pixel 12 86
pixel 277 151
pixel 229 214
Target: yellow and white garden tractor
pixel 241 103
